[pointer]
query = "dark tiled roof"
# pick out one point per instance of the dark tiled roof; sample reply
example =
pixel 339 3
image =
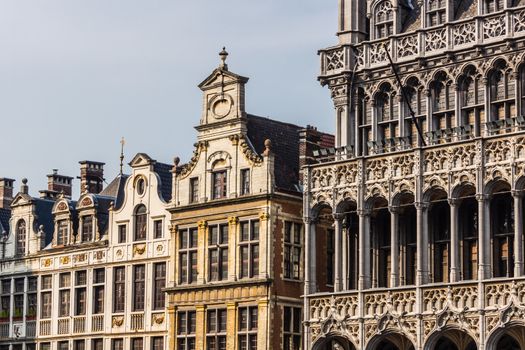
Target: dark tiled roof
pixel 165 175
pixel 115 190
pixel 5 215
pixel 43 208
pixel 285 147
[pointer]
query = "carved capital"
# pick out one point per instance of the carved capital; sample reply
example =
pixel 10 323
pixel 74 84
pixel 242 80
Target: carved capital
pixel 517 193
pixel 453 201
pixel 364 212
pixel 233 220
pixel 202 224
pixel 394 209
pixel 421 205
pixel 264 216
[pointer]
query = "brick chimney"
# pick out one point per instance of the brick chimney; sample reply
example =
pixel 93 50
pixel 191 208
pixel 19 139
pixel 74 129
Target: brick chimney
pixel 91 176
pixel 59 183
pixel 6 192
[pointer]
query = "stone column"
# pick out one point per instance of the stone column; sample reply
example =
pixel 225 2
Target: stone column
pixel 309 257
pixel 422 242
pixel 364 249
pixel 455 266
pixel 233 224
pixel 484 270
pixel 200 330
pixel 201 251
pixel 338 261
pixel 231 327
pixel 394 246
pixel 172 321
pixel 264 246
pixel 518 233
pixel 262 324
pixel 344 257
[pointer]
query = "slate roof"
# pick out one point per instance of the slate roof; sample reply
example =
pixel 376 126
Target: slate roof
pixel 285 147
pixel 44 209
pixel 165 175
pixel 115 190
pixel 5 215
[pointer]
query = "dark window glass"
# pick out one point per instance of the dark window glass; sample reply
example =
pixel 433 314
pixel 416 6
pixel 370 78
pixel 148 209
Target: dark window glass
pixel 122 233
pixel 141 221
pixel 21 234
pixel 194 190
pixel 219 184
pixel 159 284
pixel 87 228
pixel 157 228
pixel 62 232
pixel 139 279
pixel 245 181
pixel 119 289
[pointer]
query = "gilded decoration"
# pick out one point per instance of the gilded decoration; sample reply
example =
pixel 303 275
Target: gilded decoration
pixel 80 258
pixel 46 262
pixel 139 249
pixel 64 260
pixel 158 319
pixel 117 321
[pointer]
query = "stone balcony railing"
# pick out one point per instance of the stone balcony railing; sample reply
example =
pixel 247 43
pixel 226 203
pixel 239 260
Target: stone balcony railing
pixel 423 43
pixel 97 323
pixel 431 307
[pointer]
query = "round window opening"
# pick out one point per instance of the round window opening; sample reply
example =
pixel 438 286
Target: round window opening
pixel 141 186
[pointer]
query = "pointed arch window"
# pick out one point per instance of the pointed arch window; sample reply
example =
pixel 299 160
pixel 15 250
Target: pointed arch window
pixel 439 224
pixel 386 116
pixel 472 100
pixel 443 95
pixel 468 229
pixel 417 101
pixel 141 221
pixel 502 224
pixel 502 93
pixel 21 234
pixel 384 20
pixel 436 12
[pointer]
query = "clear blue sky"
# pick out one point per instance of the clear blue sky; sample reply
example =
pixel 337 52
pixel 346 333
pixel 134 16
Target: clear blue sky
pixel 76 75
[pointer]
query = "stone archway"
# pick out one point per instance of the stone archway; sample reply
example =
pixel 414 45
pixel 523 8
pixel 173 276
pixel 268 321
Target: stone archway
pixel 451 339
pixel 507 338
pixel 391 341
pixel 333 342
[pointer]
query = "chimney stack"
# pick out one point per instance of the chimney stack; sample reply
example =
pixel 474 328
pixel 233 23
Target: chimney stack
pixel 6 192
pixel 59 183
pixel 91 176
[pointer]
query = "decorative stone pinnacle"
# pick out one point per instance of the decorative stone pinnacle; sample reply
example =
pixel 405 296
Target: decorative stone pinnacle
pixel 223 55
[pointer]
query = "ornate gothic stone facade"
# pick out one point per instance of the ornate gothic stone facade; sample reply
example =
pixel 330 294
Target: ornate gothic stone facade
pixel 423 232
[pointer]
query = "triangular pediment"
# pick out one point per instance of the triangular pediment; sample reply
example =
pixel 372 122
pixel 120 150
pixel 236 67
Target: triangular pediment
pixel 141 159
pixel 21 199
pixel 221 77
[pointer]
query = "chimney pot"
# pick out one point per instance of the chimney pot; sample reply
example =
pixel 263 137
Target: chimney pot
pixel 59 183
pixel 91 176
pixel 6 192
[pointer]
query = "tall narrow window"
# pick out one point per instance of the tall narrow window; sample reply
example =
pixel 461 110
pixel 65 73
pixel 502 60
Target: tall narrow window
pixel 188 243
pixel 502 224
pixel 98 344
pixel 292 328
pixel 387 117
pixel 21 234
pixel 219 181
pixel 122 233
pixel 157 229
pixel 62 232
pixel 439 224
pixel 468 226
pixel 216 330
pixel 194 190
pixel 436 12
pixel 417 101
pixel 80 292
pixel 139 280
pixel 330 254
pixel 493 5
pixel 384 19
pixel 443 106
pixel 292 250
pixel 99 279
pixel 186 327
pixel 31 298
pixel 381 227
pixel 79 344
pixel 502 93
pixel 159 298
pixel 249 249
pixel 247 328
pixel 46 300
pixel 18 303
pixel 157 343
pixel 119 292
pixel 218 252
pixel 64 294
pixel 141 221
pixel 117 344
pixel 245 181
pixel 87 228
pixel 137 343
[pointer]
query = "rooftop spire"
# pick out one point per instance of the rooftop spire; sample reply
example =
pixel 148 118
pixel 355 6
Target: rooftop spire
pixel 122 143
pixel 223 55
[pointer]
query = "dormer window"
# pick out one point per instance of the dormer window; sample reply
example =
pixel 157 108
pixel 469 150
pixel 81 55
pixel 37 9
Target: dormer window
pixel 384 20
pixel 219 180
pixel 87 228
pixel 141 220
pixel 21 234
pixel 62 232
